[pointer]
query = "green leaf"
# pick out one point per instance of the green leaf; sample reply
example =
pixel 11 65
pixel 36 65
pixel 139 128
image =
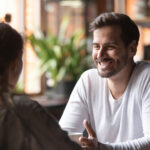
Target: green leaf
pixel 63 58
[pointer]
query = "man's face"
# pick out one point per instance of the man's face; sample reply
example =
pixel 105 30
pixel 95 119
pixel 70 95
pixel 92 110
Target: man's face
pixel 109 52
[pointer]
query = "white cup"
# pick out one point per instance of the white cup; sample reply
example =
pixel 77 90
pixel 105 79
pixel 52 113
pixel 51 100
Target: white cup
pixel 74 136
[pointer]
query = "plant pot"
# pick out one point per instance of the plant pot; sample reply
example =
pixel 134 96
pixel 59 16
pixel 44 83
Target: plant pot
pixel 62 90
pixel 65 88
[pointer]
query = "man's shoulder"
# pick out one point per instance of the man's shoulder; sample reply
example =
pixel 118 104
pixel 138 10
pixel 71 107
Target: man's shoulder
pixel 143 67
pixel 141 73
pixel 143 63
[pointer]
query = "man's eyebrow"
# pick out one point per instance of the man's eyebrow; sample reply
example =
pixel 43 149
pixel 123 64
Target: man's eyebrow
pixel 94 43
pixel 108 43
pixel 111 43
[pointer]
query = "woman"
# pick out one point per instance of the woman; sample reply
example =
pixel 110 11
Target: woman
pixel 24 124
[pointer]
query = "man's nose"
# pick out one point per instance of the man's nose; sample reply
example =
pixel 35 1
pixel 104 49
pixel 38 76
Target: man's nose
pixel 100 53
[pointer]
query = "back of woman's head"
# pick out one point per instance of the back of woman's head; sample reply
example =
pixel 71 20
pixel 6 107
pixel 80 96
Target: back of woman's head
pixel 11 46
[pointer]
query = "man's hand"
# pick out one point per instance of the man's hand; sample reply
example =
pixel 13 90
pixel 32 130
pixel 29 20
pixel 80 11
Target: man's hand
pixel 91 142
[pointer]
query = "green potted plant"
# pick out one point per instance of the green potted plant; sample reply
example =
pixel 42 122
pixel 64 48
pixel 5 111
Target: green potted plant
pixel 63 60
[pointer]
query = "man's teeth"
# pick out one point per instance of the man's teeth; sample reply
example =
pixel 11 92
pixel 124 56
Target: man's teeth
pixel 104 60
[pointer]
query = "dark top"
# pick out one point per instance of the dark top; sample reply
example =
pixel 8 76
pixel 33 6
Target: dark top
pixel 25 125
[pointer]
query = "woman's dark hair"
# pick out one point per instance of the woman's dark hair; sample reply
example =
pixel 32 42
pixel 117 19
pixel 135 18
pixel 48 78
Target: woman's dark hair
pixel 129 29
pixel 11 46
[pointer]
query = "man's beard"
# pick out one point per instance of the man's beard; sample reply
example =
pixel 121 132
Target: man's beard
pixel 113 70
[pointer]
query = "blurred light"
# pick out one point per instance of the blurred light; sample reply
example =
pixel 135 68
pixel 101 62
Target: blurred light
pixel 71 3
pixel 3 8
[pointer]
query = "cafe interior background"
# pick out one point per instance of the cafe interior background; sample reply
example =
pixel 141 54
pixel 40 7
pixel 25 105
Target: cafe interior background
pixel 67 22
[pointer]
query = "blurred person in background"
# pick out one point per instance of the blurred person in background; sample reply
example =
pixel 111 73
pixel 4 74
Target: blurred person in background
pixel 112 102
pixel 24 124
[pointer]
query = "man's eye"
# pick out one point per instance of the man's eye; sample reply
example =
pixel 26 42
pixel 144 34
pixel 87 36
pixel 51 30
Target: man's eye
pixel 110 47
pixel 96 47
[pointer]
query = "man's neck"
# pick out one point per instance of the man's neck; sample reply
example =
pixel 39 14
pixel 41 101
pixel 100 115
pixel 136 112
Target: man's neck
pixel 118 83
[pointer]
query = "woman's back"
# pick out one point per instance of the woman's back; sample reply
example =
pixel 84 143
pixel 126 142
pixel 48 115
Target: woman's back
pixel 25 125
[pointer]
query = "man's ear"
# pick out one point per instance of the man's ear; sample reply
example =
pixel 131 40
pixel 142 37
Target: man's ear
pixel 132 48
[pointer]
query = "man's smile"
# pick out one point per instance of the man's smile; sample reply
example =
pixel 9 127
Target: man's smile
pixel 104 63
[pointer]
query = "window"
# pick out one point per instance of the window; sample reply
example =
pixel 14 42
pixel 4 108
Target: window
pixel 28 16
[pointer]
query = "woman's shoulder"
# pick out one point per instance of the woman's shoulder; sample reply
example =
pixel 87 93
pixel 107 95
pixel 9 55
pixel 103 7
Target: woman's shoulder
pixel 27 108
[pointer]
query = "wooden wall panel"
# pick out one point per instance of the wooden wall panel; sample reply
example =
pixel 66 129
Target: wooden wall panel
pixel 101 6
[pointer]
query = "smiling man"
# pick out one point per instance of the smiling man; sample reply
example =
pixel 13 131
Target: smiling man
pixel 113 101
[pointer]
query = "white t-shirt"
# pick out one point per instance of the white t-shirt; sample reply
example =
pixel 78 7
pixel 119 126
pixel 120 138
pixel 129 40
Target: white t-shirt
pixel 119 124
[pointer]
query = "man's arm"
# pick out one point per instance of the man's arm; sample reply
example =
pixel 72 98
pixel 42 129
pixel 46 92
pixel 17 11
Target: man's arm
pixel 76 109
pixel 91 143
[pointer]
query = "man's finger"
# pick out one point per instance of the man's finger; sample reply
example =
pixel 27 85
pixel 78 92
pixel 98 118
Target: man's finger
pixel 87 147
pixel 85 141
pixel 89 129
